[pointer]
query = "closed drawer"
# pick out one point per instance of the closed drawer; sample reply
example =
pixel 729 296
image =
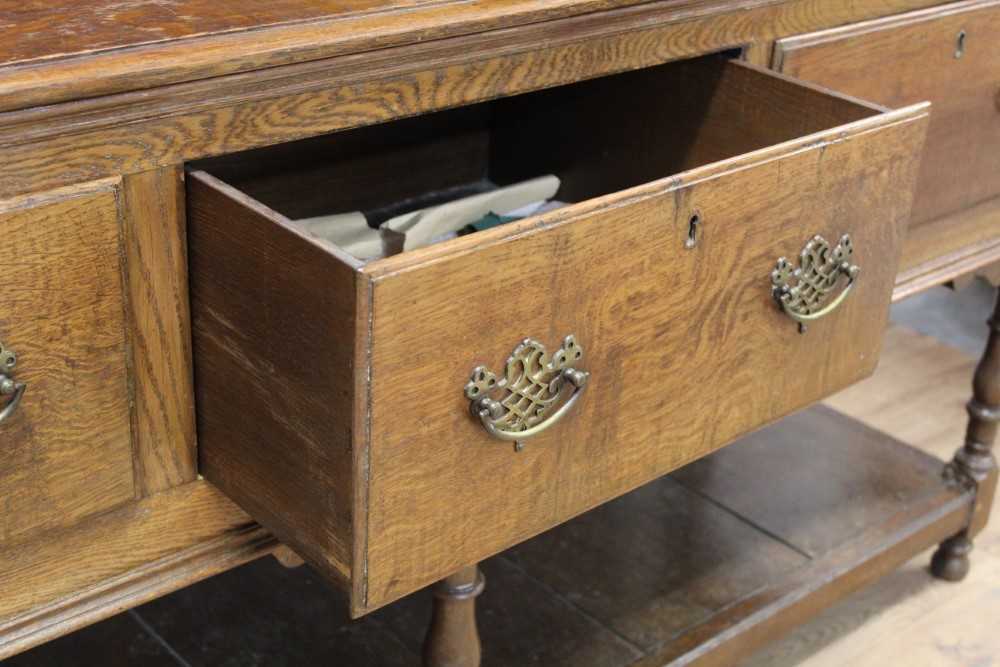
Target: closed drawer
pixel 333 396
pixel 66 445
pixel 949 56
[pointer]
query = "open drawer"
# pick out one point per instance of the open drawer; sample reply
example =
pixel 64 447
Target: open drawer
pixel 334 396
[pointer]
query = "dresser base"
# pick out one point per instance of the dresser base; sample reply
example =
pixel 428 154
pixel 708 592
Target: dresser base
pixel 961 244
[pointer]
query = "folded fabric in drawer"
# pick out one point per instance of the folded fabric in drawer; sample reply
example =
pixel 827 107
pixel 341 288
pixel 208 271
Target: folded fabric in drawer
pixel 414 229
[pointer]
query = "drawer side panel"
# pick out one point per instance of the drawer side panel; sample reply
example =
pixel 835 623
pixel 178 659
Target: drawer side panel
pixel 273 335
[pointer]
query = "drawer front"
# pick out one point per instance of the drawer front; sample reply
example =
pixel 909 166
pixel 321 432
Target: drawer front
pixel 66 448
pixel 685 346
pixel 949 56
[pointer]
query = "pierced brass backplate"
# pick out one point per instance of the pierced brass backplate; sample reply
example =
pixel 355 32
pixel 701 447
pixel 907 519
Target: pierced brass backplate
pixel 8 386
pixel 818 275
pixel 524 401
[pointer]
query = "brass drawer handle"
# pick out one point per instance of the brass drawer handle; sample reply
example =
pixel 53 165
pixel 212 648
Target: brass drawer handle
pixel 9 387
pixel 819 273
pixel 531 387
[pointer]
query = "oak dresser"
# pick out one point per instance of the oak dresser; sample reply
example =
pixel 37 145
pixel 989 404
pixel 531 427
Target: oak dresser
pixel 191 380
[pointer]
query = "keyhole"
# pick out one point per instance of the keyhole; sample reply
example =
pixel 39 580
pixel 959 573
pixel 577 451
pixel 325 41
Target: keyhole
pixel 694 231
pixel 960 44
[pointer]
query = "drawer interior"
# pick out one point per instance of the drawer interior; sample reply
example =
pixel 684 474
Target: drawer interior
pixel 598 137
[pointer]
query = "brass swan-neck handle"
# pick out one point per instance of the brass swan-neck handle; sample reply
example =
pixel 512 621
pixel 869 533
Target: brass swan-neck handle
pixel 529 398
pixel 802 292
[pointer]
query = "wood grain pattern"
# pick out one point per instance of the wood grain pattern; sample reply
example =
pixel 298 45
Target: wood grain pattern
pixel 911 58
pixel 67 450
pixel 119 560
pixel 159 330
pixel 51 146
pixel 639 357
pixel 200 56
pixel 273 332
pixel 42 29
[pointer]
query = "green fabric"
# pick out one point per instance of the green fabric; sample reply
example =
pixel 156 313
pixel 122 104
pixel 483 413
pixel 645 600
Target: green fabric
pixel 488 221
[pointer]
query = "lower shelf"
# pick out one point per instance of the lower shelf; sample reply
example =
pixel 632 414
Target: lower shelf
pixel 854 501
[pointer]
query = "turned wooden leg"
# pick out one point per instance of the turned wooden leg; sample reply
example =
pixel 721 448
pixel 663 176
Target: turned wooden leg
pixel 975 465
pixel 453 639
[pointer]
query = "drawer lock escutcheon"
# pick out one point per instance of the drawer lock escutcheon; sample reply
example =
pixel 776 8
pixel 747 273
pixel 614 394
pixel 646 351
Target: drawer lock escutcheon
pixel 529 398
pixel 8 386
pixel 803 292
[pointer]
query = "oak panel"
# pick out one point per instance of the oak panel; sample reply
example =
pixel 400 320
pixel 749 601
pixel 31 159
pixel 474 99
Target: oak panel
pixel 911 58
pixel 67 451
pixel 159 329
pixel 798 513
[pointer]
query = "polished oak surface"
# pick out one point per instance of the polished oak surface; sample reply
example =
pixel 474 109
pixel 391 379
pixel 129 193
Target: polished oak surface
pixel 99 58
pixel 946 56
pixel 619 278
pixel 42 29
pixel 39 30
pixel 67 448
